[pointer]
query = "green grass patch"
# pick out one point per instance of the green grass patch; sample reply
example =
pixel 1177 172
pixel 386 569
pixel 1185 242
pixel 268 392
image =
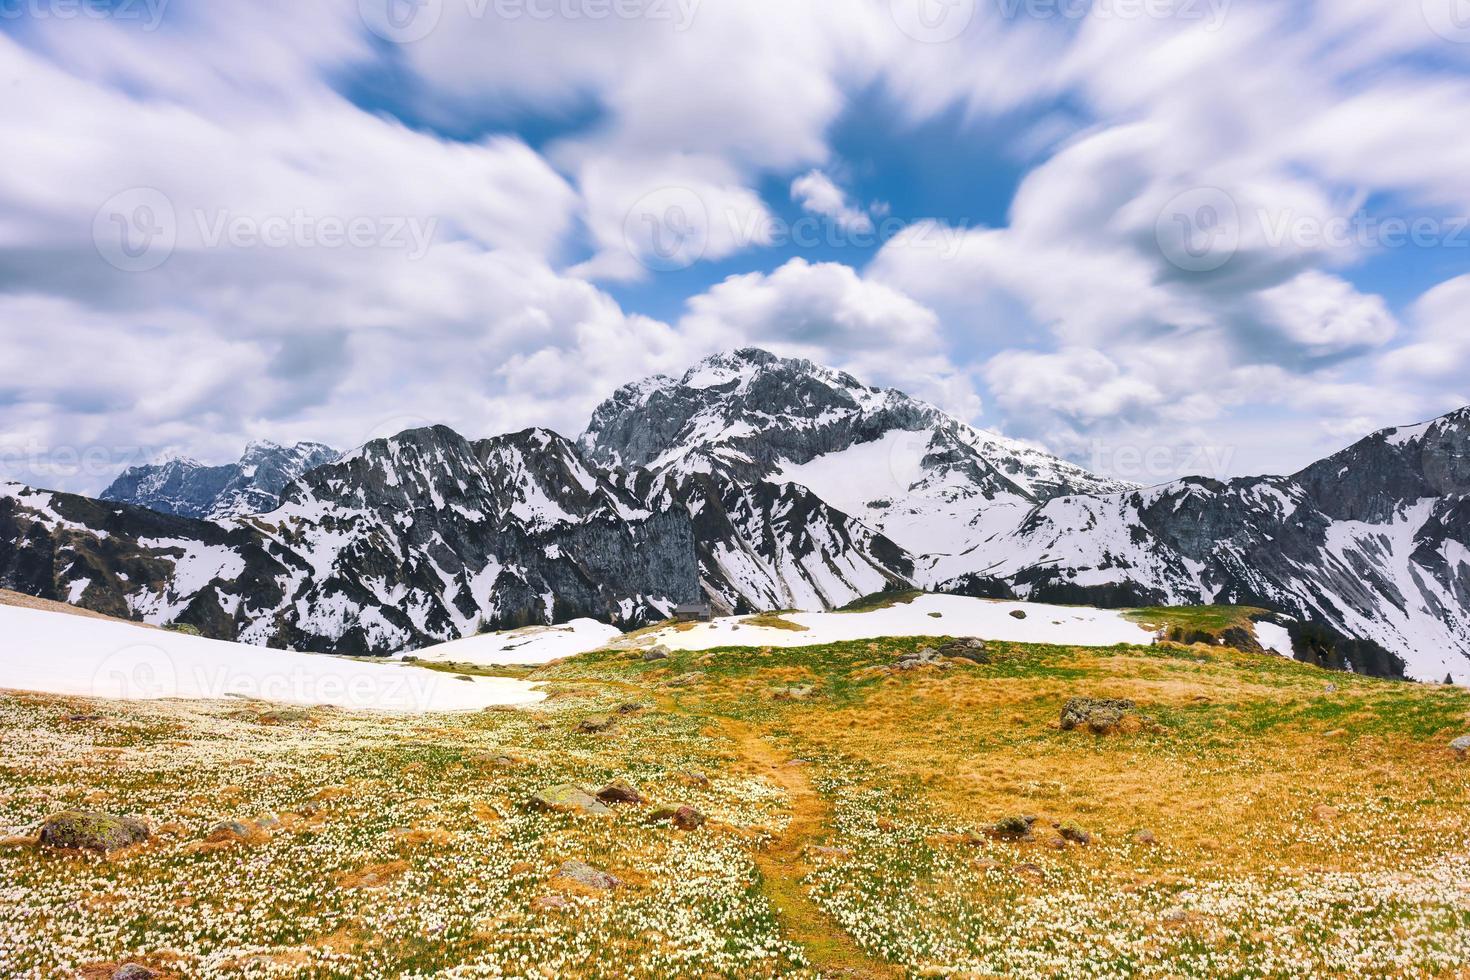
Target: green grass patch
pixel 1209 619
pixel 881 600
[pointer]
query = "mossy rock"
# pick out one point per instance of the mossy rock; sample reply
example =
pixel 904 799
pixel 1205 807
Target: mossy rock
pixel 567 798
pixel 91 831
pixel 1013 826
pixel 1101 715
pixel 1074 833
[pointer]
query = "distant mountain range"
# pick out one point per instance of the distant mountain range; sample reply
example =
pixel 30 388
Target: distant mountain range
pixel 188 488
pixel 752 482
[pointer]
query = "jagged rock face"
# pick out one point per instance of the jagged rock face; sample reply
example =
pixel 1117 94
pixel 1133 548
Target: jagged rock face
pixel 445 536
pixel 407 541
pixel 766 546
pixel 187 488
pixel 1371 479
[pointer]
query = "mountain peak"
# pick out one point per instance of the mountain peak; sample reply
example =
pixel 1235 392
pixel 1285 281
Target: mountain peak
pixel 187 488
pixel 755 416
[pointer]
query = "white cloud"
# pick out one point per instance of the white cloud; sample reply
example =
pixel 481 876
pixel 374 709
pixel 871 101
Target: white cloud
pixel 816 193
pixel 828 313
pixel 1327 315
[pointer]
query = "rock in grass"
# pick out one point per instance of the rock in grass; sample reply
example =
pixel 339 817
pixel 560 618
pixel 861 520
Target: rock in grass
pixel 619 791
pixel 286 716
pixel 567 798
pixel 243 831
pixel 683 817
pixel 659 652
pixel 1100 715
pixel 596 723
pixel 925 657
pixel 584 874
pixel 969 648
pixel 1074 833
pixel 1013 826
pixel 90 831
pixel 800 692
pixel 133 971
pixel 1461 746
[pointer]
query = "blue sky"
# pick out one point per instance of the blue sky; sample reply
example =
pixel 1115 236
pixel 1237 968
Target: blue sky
pixel 1100 227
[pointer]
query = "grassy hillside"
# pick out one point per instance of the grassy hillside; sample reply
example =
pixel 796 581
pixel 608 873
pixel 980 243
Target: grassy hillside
pixel 1256 817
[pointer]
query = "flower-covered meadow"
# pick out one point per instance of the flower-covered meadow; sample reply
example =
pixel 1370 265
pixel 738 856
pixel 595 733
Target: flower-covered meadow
pixel 1262 819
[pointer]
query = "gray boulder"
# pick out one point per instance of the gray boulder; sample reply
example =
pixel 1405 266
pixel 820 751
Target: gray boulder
pixel 1461 746
pixel 968 648
pixel 1100 715
pixel 566 798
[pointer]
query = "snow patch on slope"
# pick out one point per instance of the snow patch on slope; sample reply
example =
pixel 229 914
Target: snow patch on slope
pixel 958 616
pixel 57 653
pixel 530 646
pixel 1276 639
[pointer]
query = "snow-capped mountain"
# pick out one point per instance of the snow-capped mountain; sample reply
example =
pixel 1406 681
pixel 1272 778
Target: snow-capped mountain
pixel 188 488
pixel 923 480
pixel 758 483
pixel 1371 542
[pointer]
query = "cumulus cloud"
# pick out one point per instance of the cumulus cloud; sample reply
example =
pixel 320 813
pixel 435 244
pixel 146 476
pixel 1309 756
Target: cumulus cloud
pixel 818 194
